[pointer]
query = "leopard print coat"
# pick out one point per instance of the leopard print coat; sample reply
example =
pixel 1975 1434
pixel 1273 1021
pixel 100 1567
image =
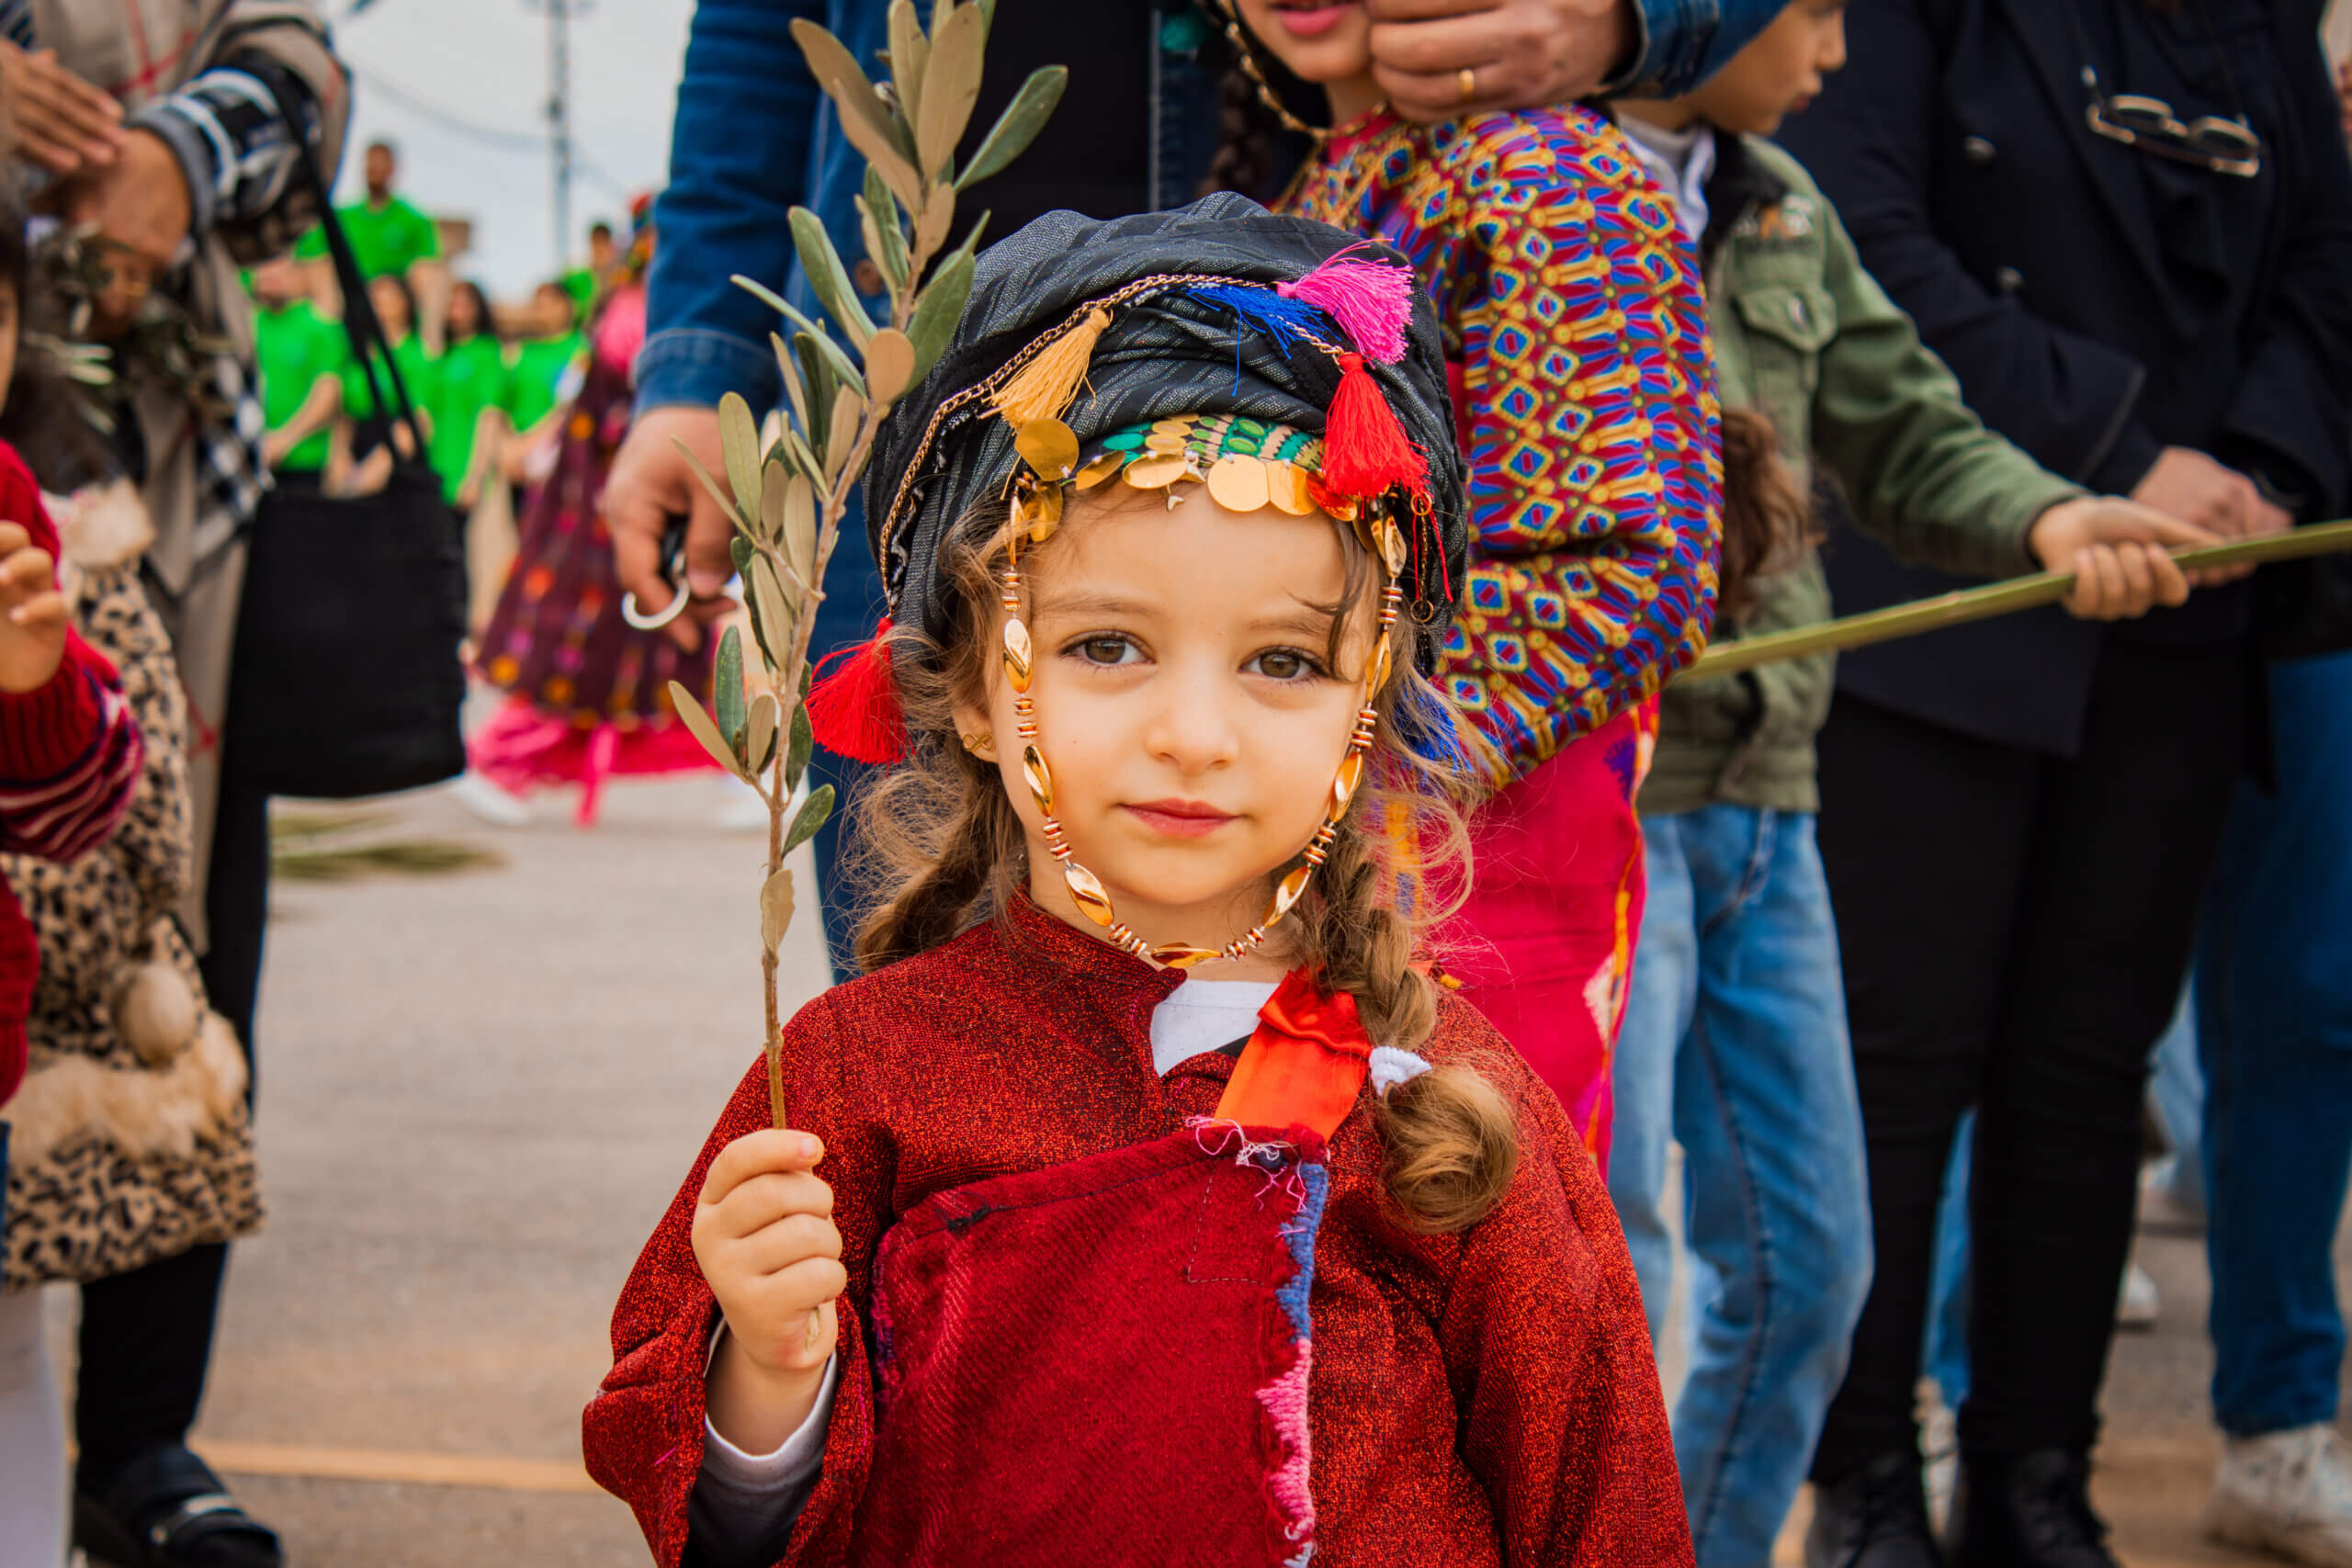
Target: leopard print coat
pixel 129 1141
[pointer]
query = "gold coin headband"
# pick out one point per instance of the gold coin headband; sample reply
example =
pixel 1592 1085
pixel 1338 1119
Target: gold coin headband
pixel 1248 464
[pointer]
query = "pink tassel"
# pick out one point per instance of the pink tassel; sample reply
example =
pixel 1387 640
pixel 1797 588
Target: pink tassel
pixel 1370 300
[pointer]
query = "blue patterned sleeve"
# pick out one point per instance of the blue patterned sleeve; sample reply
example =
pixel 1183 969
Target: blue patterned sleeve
pixel 232 142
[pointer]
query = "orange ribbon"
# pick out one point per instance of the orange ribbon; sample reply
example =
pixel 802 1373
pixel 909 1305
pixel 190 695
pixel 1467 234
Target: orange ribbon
pixel 1305 1062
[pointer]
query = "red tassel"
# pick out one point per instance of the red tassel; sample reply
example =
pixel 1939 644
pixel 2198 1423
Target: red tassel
pixel 1365 449
pixel 853 711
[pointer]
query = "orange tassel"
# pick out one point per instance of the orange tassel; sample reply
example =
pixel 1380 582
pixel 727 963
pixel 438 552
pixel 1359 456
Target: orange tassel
pixel 1365 451
pixel 853 711
pixel 1045 386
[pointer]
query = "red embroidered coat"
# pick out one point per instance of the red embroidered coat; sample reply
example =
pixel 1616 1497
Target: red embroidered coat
pixel 1487 1397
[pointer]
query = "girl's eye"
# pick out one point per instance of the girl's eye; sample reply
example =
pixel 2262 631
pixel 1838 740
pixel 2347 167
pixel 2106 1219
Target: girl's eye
pixel 1106 650
pixel 1284 664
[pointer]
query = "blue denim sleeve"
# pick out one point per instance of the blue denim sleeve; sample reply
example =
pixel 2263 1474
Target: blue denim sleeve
pixel 1684 42
pixel 739 162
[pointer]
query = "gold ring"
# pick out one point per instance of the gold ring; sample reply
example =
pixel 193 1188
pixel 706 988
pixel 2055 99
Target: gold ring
pixel 1465 83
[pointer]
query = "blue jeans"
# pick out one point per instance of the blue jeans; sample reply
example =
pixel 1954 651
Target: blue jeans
pixel 2274 1034
pixel 1735 1046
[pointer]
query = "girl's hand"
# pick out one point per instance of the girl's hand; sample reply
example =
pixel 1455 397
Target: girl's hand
pixel 32 613
pixel 2119 552
pixel 765 1236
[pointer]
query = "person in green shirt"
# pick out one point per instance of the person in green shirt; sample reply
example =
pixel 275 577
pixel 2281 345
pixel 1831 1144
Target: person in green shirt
pixel 302 356
pixel 388 235
pixel 540 364
pixel 472 379
pixel 361 458
pixel 584 283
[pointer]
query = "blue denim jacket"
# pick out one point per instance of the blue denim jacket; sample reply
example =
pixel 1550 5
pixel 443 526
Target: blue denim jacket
pixel 754 137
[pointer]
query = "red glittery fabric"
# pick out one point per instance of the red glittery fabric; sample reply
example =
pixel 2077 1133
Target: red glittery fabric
pixel 1485 1397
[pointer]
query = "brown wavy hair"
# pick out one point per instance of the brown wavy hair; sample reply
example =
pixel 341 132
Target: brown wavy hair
pixel 1769 521
pixel 942 847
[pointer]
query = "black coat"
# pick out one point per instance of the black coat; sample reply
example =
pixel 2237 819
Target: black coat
pixel 2096 304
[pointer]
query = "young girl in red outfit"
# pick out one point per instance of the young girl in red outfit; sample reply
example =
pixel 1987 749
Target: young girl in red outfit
pixel 1147 1201
pixel 1576 332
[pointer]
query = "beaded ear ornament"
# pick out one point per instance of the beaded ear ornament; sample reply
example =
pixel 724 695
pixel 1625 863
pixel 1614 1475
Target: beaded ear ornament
pixel 1363 472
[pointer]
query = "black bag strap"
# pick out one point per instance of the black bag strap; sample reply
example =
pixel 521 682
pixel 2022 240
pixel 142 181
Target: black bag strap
pixel 360 325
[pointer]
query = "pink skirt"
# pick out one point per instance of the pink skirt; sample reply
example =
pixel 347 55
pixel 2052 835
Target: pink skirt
pixel 1544 947
pixel 524 748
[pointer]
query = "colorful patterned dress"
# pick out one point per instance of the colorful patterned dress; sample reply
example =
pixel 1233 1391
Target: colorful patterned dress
pixel 1585 403
pixel 590 694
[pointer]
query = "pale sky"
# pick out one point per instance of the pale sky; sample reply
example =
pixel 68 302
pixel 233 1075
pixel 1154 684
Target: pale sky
pixel 425 70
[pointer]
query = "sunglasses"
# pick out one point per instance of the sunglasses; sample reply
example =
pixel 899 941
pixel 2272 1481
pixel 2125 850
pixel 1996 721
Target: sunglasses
pixel 2209 142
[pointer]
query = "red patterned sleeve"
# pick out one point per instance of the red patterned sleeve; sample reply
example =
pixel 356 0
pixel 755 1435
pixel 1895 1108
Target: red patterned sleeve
pixel 69 751
pixel 1589 423
pixel 643 1432
pixel 1550 1358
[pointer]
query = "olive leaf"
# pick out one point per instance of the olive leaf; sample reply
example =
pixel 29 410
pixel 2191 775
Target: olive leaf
pixel 822 267
pixel 698 723
pixel 759 746
pixel 801 527
pixel 813 812
pixel 971 245
pixel 1017 126
pixel 803 744
pixel 773 482
pixel 717 491
pixel 870 124
pixel 889 364
pixel 775 907
pixel 848 409
pixel 908 49
pixel 951 88
pixel 838 362
pixel 931 229
pixel 885 241
pixel 936 313
pixel 791 374
pixel 739 441
pixel 726 692
pixel 776 609
pixel 740 549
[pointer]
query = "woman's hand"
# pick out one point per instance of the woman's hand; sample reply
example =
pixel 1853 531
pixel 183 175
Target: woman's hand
pixel 1519 53
pixel 2120 553
pixel 765 1236
pixel 32 613
pixel 139 204
pixel 62 122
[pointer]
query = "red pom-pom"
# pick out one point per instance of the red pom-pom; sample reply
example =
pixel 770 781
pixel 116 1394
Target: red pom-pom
pixel 1365 449
pixel 853 711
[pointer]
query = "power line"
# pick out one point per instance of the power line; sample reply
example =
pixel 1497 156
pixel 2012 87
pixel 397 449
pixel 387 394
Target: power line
pixel 519 141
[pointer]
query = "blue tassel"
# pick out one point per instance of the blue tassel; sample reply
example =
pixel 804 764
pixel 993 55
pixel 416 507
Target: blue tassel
pixel 1426 728
pixel 1285 321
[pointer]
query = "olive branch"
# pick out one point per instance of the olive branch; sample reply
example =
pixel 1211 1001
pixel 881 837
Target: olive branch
pixel 788 503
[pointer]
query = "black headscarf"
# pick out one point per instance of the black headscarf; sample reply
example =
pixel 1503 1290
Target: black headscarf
pixel 944 450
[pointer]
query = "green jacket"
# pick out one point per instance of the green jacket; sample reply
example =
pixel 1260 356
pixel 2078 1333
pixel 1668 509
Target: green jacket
pixel 1805 336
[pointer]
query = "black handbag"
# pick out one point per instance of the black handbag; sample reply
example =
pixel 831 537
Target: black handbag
pixel 346 679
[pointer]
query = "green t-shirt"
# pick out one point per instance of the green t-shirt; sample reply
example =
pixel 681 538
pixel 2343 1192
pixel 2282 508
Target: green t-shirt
pixel 295 347
pixel 473 377
pixel 540 364
pixel 383 239
pixel 419 375
pixel 580 284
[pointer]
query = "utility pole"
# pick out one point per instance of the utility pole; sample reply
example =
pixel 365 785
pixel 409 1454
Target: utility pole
pixel 559 122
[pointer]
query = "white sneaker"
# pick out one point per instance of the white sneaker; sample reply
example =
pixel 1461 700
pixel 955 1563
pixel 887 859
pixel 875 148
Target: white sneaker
pixel 2286 1491
pixel 491 803
pixel 2137 1303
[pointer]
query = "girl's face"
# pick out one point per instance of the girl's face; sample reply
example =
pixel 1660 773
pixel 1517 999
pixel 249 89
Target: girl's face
pixel 1186 709
pixel 465 313
pixel 391 306
pixel 1327 42
pixel 1778 73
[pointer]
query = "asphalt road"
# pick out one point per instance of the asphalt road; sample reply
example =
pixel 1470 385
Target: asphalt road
pixel 479 1091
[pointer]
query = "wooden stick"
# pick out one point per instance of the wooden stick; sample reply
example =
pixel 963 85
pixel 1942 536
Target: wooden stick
pixel 1993 599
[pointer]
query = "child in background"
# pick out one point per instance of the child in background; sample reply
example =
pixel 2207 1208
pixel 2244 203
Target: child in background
pixel 302 356
pixel 1585 403
pixel 1147 1201
pixel 1734 1041
pixel 471 381
pixel 70 758
pixel 360 460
